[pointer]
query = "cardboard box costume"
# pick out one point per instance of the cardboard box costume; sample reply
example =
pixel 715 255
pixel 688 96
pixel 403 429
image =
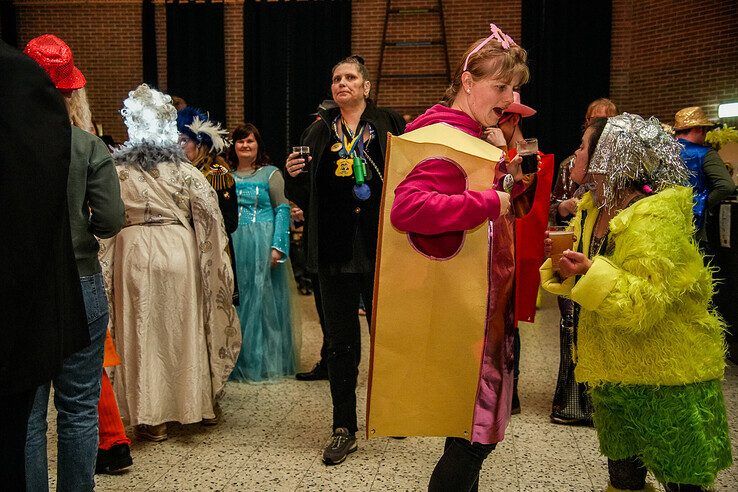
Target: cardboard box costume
pixel 442 324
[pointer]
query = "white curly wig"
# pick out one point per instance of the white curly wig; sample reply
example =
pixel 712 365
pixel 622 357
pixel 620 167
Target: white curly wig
pixel 150 117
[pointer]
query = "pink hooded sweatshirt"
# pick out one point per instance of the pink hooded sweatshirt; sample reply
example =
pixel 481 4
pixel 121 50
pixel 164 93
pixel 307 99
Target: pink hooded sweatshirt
pixel 434 207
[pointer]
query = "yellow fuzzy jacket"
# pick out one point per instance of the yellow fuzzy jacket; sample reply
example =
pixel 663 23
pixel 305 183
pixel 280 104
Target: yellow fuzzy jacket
pixel 646 316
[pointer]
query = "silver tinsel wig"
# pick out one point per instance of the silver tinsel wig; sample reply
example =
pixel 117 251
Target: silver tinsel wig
pixel 633 151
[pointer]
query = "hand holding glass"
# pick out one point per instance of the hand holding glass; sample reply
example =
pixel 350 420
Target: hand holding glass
pixel 304 153
pixel 562 239
pixel 528 150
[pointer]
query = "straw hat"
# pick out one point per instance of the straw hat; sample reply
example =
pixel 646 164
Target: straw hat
pixel 690 118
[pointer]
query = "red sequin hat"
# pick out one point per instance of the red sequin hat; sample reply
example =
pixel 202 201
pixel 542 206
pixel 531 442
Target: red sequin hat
pixel 55 57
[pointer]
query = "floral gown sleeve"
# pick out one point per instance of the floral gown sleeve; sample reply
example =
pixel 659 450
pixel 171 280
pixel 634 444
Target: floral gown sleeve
pixel 222 327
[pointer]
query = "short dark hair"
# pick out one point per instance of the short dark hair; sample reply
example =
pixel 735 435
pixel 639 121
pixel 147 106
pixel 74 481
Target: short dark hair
pixel 597 126
pixel 354 60
pixel 241 132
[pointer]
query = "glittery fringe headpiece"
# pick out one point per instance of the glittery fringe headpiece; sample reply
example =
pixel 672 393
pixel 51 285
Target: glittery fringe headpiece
pixel 634 151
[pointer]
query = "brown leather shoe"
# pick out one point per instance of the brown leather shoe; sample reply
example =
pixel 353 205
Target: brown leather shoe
pixel 153 433
pixel 214 421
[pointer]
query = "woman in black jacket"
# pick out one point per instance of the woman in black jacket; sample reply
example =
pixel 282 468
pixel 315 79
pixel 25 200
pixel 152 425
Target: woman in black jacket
pixel 340 190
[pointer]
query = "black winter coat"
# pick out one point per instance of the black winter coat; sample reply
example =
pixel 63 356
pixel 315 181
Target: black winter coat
pixel 43 314
pixel 303 189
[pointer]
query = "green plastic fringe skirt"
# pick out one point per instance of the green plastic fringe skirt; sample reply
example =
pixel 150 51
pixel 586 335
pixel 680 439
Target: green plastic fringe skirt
pixel 679 432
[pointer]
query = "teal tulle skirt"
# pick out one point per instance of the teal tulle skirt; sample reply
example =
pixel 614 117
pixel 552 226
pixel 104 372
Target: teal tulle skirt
pixel 270 344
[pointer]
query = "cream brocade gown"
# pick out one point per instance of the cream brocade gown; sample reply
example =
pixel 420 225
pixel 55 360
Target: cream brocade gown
pixel 172 319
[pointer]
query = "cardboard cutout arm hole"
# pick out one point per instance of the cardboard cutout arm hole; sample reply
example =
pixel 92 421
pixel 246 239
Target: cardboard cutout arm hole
pixel 439 247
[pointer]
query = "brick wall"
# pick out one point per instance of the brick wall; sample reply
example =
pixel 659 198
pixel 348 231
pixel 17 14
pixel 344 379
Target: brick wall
pixel 667 55
pixel 660 62
pixel 105 37
pixel 233 25
pixel 160 20
pixel 466 21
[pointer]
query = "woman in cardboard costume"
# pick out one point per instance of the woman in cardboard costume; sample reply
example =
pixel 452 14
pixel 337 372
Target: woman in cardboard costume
pixel 436 204
pixel 649 345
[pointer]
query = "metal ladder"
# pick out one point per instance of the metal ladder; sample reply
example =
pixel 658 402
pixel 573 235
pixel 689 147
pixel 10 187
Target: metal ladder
pixel 399 14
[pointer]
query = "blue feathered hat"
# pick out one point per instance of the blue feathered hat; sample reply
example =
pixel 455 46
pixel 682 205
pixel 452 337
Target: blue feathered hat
pixel 196 124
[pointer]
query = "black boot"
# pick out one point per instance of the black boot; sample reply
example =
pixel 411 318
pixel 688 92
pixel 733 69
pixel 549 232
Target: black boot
pixel 319 372
pixel 113 460
pixel 627 474
pixel 682 487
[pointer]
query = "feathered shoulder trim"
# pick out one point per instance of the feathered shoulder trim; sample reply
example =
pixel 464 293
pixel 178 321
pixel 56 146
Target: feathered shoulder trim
pixel 587 201
pixel 148 155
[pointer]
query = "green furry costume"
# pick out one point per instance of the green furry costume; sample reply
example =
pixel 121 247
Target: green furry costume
pixel 649 346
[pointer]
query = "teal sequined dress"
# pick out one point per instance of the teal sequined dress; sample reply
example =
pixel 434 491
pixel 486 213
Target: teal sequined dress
pixel 269 348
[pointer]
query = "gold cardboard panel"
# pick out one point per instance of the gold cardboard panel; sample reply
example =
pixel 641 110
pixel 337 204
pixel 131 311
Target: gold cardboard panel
pixel 429 316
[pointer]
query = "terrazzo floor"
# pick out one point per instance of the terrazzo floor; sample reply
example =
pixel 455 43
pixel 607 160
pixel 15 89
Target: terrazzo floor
pixel 270 437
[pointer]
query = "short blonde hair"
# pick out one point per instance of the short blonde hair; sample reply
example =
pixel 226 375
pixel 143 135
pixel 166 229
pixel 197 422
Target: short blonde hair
pixel 492 60
pixel 79 110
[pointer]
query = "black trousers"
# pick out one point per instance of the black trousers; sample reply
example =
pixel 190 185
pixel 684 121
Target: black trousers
pixel 14 412
pixel 458 469
pixel 340 296
pixel 318 297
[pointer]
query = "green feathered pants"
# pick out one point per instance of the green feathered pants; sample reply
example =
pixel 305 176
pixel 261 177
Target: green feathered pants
pixel 679 432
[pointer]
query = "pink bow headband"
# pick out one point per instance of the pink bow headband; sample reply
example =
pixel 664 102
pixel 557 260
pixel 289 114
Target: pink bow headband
pixel 497 34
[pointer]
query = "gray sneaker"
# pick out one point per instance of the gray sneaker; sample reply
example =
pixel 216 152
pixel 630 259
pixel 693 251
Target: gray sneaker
pixel 340 445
